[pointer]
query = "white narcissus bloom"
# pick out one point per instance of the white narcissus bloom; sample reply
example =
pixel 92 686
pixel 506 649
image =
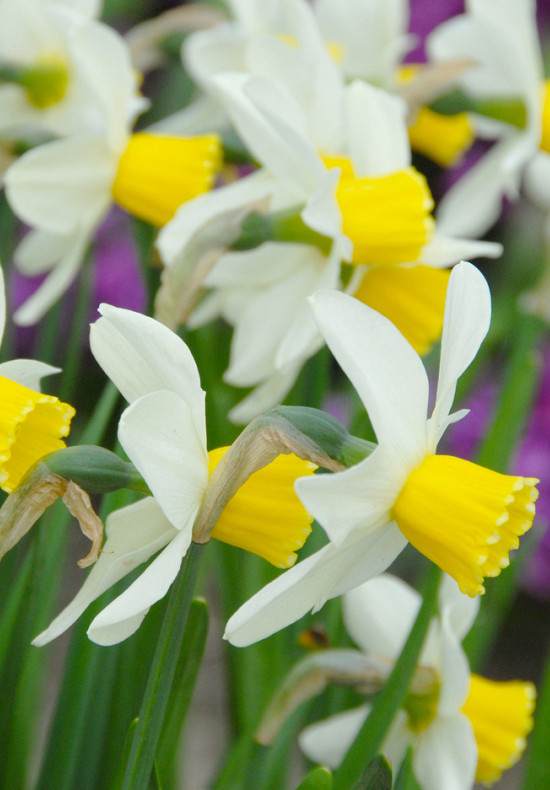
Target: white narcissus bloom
pixel 63 189
pixel 502 40
pixel 163 431
pixel 466 729
pixel 31 424
pixel 360 193
pixel 461 516
pixel 52 46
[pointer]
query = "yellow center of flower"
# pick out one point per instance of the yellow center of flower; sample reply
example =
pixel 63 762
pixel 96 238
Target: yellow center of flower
pixel 421 709
pixel 413 298
pixel 442 138
pixel 265 516
pixel 386 217
pixel 46 81
pixel 501 716
pixel 156 174
pixel 545 135
pixel 465 518
pixel 31 426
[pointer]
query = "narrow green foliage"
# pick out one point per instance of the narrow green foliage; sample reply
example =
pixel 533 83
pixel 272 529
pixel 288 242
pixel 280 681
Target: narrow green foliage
pixel 378 776
pixel 537 775
pixel 187 669
pixel 406 779
pixel 371 735
pixel 159 685
pixel 318 779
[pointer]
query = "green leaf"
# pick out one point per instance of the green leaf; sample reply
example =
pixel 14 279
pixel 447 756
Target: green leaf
pixel 189 662
pixel 318 779
pixel 378 776
pixel 537 774
pixel 159 685
pixel 406 779
pixel 371 735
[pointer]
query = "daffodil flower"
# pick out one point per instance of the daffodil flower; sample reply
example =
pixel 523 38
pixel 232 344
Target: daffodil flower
pixel 49 48
pixel 63 189
pixel 503 44
pixel 465 728
pixel 163 431
pixel 463 517
pixel 360 194
pixel 31 424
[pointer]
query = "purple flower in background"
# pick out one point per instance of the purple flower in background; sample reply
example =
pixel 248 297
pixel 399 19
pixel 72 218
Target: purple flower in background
pixel 533 457
pixel 117 276
pixel 425 16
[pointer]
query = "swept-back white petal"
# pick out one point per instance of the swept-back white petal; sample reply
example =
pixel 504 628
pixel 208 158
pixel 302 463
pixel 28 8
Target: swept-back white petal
pixel 444 250
pixel 272 126
pixel 125 614
pixel 269 393
pixel 359 498
pixel 377 132
pixel 65 269
pixel 377 359
pixel 176 235
pixel 454 671
pixel 327 741
pixel 140 356
pixel 158 433
pixel 379 614
pixel 465 324
pixel 459 609
pixel 309 584
pixel 62 186
pixel 134 534
pixel 474 203
pixel 28 372
pixel 446 755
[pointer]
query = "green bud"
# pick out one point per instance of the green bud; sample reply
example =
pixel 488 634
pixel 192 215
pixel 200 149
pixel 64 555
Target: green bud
pixel 45 83
pixel 95 469
pixel 327 433
pixel 284 226
pixel 509 109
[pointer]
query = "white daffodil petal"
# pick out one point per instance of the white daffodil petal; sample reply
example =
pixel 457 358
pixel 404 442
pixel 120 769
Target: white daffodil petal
pixel 134 534
pixel 378 138
pixel 58 280
pixel 326 742
pixel 158 433
pixel 465 324
pixel 454 671
pixel 474 203
pixel 446 755
pixel 28 372
pixel 62 186
pixel 326 574
pixel 2 304
pixel 191 216
pixel 38 252
pixel 268 394
pixel 370 607
pixel 377 359
pixel 442 250
pixel 279 141
pixel 459 609
pixel 359 498
pixel 125 614
pixel 537 180
pixel 140 356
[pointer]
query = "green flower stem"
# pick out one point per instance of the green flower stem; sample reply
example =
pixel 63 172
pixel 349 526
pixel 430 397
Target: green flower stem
pixel 155 699
pixel 537 775
pixel 390 700
pixel 514 406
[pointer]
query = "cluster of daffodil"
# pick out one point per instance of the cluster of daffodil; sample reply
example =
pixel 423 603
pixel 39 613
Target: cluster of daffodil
pixel 286 199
